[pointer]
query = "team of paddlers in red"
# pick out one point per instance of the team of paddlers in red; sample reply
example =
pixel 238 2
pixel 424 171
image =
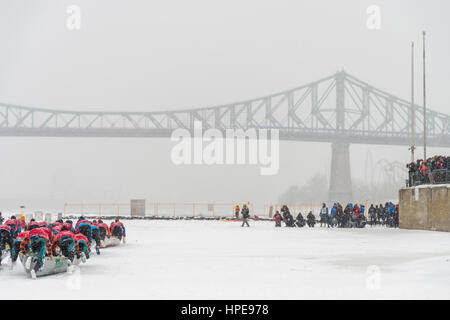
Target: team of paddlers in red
pixel 39 239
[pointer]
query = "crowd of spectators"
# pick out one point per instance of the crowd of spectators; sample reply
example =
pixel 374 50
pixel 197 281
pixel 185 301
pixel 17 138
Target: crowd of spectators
pixel 350 216
pixel 434 170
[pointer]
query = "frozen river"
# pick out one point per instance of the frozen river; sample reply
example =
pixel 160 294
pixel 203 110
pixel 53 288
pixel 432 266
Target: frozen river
pixel 221 260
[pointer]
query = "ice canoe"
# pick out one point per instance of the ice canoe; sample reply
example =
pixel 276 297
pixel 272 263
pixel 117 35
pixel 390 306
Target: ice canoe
pixel 110 242
pixel 52 265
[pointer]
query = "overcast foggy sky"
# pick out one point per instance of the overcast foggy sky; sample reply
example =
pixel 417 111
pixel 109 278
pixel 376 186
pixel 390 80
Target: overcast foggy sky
pixel 165 55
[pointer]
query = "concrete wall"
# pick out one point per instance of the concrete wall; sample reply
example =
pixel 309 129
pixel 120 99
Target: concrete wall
pixel 425 207
pixel 137 208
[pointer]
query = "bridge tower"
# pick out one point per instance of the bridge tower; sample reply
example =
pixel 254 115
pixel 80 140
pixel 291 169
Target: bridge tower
pixel 340 175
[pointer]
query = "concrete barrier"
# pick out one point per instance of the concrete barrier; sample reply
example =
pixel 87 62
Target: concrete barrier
pixel 425 208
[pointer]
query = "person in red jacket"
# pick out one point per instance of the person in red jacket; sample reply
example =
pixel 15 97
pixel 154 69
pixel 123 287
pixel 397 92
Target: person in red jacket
pixel 357 211
pixel 70 223
pixel 118 229
pixel 277 218
pixel 49 232
pixel 56 229
pixel 104 230
pixel 33 224
pixel 357 216
pixel 5 239
pixel 67 243
pixel 82 246
pixel 16 247
pixel 84 226
pixel 57 225
pixel 40 244
pixel 59 222
pixel 43 224
pixel 13 223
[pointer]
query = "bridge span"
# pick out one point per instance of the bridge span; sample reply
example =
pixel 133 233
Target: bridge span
pixel 340 109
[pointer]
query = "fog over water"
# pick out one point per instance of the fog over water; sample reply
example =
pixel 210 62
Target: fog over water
pixel 167 55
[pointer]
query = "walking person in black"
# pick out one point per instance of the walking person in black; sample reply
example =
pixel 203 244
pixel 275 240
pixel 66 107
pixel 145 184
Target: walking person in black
pixel 245 215
pixel 372 215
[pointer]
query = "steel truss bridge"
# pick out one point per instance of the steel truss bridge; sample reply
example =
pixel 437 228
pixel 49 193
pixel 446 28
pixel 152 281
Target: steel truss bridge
pixel 340 109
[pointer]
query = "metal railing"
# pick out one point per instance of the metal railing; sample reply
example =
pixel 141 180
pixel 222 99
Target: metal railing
pixel 161 209
pixel 438 176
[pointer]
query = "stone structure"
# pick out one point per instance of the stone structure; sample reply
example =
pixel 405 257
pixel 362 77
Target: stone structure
pixel 137 208
pixel 340 178
pixel 425 207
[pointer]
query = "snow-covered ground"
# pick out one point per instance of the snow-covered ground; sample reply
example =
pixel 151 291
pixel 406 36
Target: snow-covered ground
pixel 221 260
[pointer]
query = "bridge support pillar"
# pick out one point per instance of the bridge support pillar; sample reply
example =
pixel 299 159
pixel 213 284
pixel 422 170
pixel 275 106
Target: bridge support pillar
pixel 340 176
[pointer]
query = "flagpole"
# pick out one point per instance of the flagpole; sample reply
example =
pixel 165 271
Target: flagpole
pixel 424 104
pixel 412 103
